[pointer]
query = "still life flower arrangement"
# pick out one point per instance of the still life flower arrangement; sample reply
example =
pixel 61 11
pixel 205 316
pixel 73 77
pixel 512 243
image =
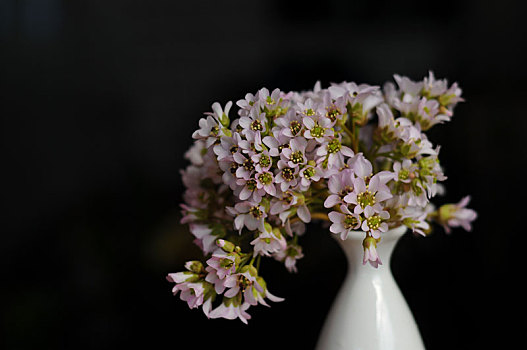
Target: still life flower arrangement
pixel 353 156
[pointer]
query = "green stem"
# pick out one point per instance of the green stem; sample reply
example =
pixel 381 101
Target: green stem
pixel 258 263
pixel 320 216
pixel 345 128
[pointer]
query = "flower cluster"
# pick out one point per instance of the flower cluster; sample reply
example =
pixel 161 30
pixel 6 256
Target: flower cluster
pixel 353 155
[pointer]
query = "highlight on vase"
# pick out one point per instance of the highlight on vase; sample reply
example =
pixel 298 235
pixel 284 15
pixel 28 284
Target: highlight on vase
pixel 351 155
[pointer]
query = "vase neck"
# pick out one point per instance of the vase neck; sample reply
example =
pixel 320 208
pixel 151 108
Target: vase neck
pixel 354 251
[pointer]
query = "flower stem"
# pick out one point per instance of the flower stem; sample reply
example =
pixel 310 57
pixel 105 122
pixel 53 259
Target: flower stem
pixel 320 216
pixel 351 134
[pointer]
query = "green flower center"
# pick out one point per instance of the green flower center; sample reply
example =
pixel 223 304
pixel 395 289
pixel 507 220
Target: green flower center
pixel 297 157
pixel 265 160
pixel 374 222
pixel 404 174
pixel 309 112
pixel 366 198
pixel 265 178
pixel 309 172
pixel 350 221
pixel 270 101
pixel 295 127
pixel 288 174
pixel 251 184
pixel 255 212
pixel 318 131
pixel 256 125
pixel 334 146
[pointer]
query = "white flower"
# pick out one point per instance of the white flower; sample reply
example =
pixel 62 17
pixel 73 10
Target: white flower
pixel 343 223
pixel 248 214
pixel 268 242
pixel 374 222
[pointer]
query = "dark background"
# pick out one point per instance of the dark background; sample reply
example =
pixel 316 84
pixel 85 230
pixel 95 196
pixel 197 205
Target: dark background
pixel 98 102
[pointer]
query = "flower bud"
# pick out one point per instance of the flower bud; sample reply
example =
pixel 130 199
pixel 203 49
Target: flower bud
pixel 227 246
pixel 194 266
pixel 251 269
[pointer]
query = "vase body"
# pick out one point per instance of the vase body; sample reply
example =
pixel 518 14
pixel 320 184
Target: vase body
pixel 369 312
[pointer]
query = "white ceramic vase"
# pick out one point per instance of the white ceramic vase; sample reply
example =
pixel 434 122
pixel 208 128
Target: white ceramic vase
pixel 370 313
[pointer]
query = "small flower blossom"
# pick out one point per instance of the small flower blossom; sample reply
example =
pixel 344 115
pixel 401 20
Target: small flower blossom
pixel 339 185
pixel 370 252
pixel 370 195
pixel 287 176
pixel 256 122
pixel 268 242
pixel 375 222
pixel 265 181
pixel 333 152
pixel 290 124
pixel 289 256
pixel 294 155
pixel 455 215
pixel 276 143
pixel 231 309
pixel 248 214
pixel 317 127
pixel 345 222
pixel 309 173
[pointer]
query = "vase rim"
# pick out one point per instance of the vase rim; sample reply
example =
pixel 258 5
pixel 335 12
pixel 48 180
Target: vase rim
pixel 395 232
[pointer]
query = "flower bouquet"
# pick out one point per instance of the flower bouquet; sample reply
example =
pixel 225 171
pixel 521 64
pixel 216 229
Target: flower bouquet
pixel 353 156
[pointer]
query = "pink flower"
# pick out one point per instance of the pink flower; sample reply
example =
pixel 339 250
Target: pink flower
pixel 256 122
pixel 231 310
pixel 343 223
pixel 317 127
pixel 289 256
pixel 290 124
pixel 204 237
pixel 248 214
pixel 276 143
pixel 268 242
pixel 265 182
pixel 415 218
pixel 227 147
pixel 283 203
pixel 295 154
pixel 308 174
pixel 262 161
pixel 339 185
pixel 370 252
pixel 333 151
pixel 210 127
pixel 287 177
pixel 269 101
pixel 360 165
pixel 455 215
pixel 371 195
pixel 224 264
pixel 374 222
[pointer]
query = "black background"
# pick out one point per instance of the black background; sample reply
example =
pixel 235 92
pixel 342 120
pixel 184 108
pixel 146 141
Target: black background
pixel 98 103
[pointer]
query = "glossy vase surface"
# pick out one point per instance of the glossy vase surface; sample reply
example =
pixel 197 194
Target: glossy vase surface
pixel 369 312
